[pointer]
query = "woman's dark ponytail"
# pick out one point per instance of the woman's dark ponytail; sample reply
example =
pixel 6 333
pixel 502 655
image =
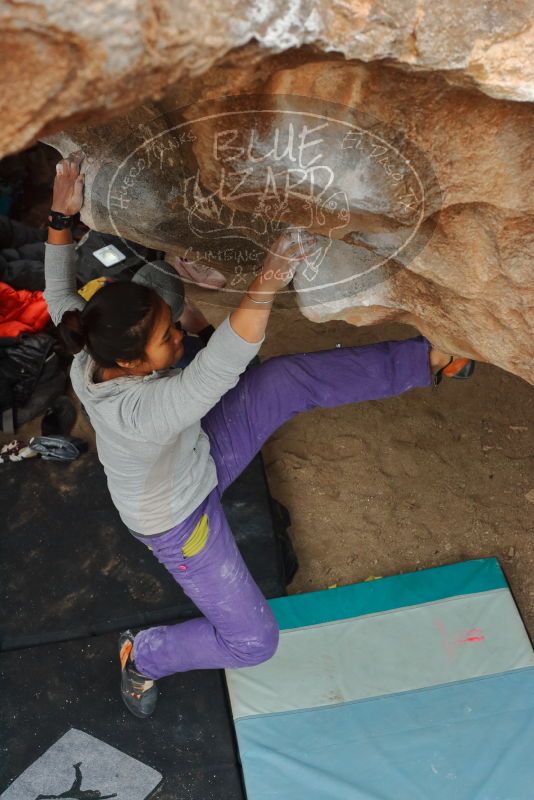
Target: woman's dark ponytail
pixel 115 325
pixel 72 331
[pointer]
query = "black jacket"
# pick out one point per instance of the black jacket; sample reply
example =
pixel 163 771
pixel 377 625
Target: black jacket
pixel 21 255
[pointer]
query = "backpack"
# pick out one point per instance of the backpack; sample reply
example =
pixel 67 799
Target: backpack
pixel 31 377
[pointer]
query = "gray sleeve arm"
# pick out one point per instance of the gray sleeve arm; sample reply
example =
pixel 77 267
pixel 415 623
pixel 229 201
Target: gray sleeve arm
pixel 60 281
pixel 168 405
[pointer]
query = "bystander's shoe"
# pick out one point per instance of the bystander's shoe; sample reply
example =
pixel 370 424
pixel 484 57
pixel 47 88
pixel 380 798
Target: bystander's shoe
pixel 199 274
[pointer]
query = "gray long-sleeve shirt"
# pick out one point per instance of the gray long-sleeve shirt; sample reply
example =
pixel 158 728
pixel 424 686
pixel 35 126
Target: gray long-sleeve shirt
pixel 148 435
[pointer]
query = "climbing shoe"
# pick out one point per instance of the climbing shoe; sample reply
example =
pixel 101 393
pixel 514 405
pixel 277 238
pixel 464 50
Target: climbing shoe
pixel 456 368
pixel 139 693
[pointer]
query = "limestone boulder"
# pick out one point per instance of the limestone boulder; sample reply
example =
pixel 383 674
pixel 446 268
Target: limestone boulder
pixel 418 191
pixel 69 63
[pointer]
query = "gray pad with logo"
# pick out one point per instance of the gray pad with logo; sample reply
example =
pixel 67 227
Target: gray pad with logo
pixel 80 767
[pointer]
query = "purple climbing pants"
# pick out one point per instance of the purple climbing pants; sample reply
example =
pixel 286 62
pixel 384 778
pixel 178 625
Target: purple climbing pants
pixel 238 628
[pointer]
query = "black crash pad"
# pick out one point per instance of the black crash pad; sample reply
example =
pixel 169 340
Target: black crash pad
pixel 69 567
pixel 50 689
pixel 89 267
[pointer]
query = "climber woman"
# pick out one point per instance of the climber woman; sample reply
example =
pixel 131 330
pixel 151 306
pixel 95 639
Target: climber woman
pixel 171 441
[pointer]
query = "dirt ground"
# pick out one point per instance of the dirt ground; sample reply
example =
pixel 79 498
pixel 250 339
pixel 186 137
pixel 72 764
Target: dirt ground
pixel 432 477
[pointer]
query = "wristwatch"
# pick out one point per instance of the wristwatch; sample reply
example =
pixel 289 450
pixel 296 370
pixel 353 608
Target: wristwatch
pixel 59 222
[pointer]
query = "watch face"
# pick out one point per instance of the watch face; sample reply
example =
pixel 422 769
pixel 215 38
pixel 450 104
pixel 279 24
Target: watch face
pixel 59 221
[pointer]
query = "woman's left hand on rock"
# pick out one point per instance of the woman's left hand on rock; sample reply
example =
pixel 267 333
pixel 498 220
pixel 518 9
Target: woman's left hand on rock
pixel 67 197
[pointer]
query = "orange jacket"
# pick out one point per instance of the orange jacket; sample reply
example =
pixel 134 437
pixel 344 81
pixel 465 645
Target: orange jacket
pixel 21 311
